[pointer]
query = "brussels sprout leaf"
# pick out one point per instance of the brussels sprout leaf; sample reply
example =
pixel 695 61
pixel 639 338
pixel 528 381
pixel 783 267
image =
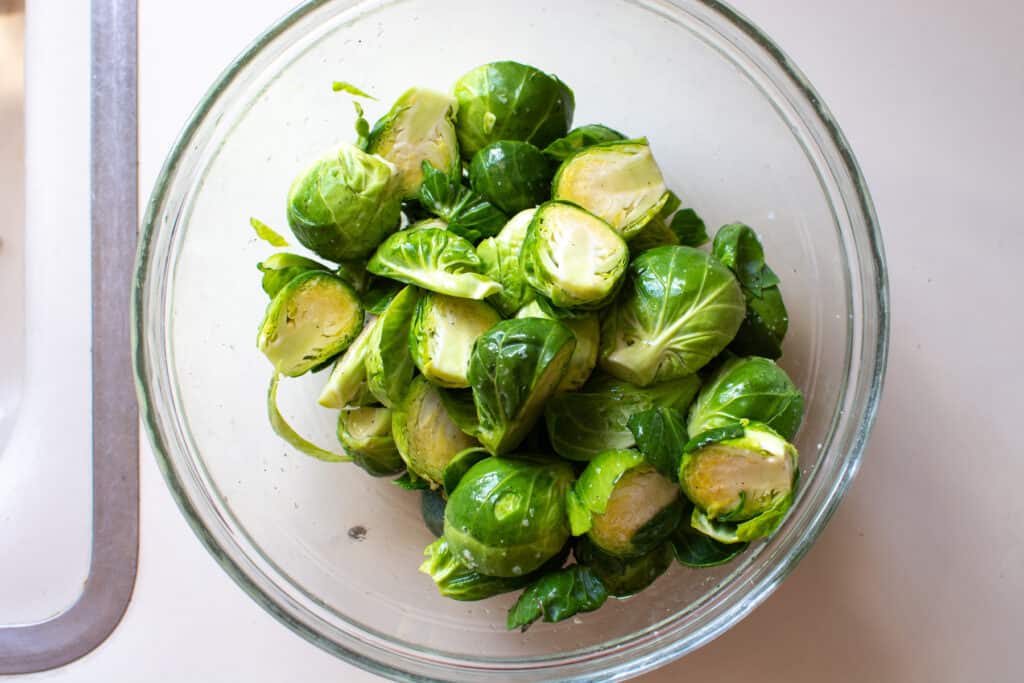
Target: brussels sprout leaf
pixel 380 293
pixel 660 435
pixel 733 431
pixel 267 233
pixel 689 228
pixel 410 482
pixel 460 464
pixel 432 505
pixel 293 438
pixel 342 86
pixel 362 128
pixel 558 596
pixel 694 549
pixel 467 213
pixel 580 138
pixel 458 403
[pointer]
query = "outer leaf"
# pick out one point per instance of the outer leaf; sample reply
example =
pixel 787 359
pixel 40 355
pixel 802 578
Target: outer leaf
pixel 558 596
pixel 460 464
pixel 581 138
pixel 624 576
pixel 511 175
pixel 695 549
pixel 380 293
pixel 389 367
pixel 467 213
pixel 346 387
pixel 281 268
pixel 736 245
pixel 433 259
pixel 689 228
pixel 706 438
pixel 432 504
pixel 293 438
pixel 594 487
pixel 410 482
pixel 660 435
pixel 501 263
pixel 267 233
pixel 342 86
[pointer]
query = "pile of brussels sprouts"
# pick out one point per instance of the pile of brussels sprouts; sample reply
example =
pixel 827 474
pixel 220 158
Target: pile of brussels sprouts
pixel 519 323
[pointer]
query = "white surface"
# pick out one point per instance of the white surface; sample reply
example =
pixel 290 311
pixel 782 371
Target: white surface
pixel 920 575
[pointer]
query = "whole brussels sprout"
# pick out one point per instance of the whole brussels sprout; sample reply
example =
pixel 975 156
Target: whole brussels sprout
pixel 572 257
pixel 389 366
pixel 507 515
pixel 420 127
pixel 432 505
pixel 366 435
pixel 619 182
pixel 581 138
pixel 587 331
pixel 347 387
pixel 624 576
pixel 512 175
pixel 312 318
pixel 752 388
pixel 501 263
pixel 510 101
pixel 345 204
pixel 740 479
pixel 679 309
pixel 444 329
pixel 281 268
pixel 426 437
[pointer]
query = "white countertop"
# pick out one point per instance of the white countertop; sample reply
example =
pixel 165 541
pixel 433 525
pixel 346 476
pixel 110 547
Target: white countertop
pixel 920 575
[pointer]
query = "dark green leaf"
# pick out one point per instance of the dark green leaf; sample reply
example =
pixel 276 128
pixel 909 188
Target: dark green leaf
pixel 660 435
pixel 694 549
pixel 467 213
pixel 737 246
pixel 456 581
pixel 580 138
pixel 458 403
pixel 624 576
pixel 558 596
pixel 689 228
pixel 733 431
pixel 380 293
pixel 432 505
pixel 410 482
pixel 511 175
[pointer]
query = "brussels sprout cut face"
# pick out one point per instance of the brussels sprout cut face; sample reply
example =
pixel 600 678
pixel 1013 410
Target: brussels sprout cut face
pixel 426 437
pixel 618 181
pixel 640 498
pixel 587 331
pixel 507 515
pixel 572 257
pixel 420 127
pixel 314 317
pixel 444 330
pixel 366 435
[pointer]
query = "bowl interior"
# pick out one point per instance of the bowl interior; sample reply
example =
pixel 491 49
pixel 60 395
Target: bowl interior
pixel 736 142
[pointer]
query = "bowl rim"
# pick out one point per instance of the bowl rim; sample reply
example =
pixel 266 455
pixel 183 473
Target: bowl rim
pixel 615 669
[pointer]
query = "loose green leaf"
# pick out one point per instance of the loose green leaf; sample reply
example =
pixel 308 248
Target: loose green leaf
pixel 293 438
pixel 362 127
pixel 706 438
pixel 281 268
pixel 689 228
pixel 437 260
pixel 267 233
pixel 624 576
pixel 694 549
pixel 467 213
pixel 410 482
pixel 581 138
pixel 342 86
pixel 660 435
pixel 380 293
pixel 558 596
pixel 737 246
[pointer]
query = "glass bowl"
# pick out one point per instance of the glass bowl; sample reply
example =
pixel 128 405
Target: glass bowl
pixel 740 135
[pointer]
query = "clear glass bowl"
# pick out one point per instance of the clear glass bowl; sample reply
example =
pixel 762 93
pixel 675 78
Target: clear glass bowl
pixel 740 135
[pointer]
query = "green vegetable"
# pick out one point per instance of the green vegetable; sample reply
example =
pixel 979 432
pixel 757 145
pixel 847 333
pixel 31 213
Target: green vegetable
pixel 347 387
pixel 345 204
pixel 426 437
pixel 432 504
pixel 511 175
pixel 624 576
pixel 689 228
pixel 408 481
pixel 456 581
pixel 466 213
pixel 267 233
pixel 581 138
pixel 457 467
pixel 679 309
pixel 619 182
pixel 362 127
pixel 366 435
pixel 342 86
pixel 695 549
pixel 558 596
pixel 281 268
pixel 379 293
pixel 510 101
pixel 656 233
pixel 587 331
pixel 514 368
pixel 752 388
pixel 500 258
pixel 433 259
pixel 289 435
pixel 507 515
pixel 420 127
pixel 389 365
pixel 312 318
pixel 354 273
pixel 594 419
pixel 660 435
pixel 572 257
pixel 442 335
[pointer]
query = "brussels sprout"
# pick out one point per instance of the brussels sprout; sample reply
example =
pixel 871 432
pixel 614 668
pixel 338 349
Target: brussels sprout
pixel 433 259
pixel 354 273
pixel 766 322
pixel 752 388
pixel 514 368
pixel 344 204
pixel 389 367
pixel 741 480
pixel 281 268
pixel 581 138
pixel 366 435
pixel 426 437
pixel 314 317
pixel 587 331
pixel 656 233
pixel 584 423
pixel 507 515
pixel 678 310
pixel 572 257
pixel 347 387
pixel 617 181
pixel 464 212
pixel 510 101
pixel 432 505
pixel 420 127
pixel 624 576
pixel 624 505
pixel 557 596
pixel 500 258
pixel 457 467
pixel 511 175
pixel 379 293
pixel 444 329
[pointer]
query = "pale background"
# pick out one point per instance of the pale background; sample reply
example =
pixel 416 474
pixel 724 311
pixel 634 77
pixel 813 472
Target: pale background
pixel 920 575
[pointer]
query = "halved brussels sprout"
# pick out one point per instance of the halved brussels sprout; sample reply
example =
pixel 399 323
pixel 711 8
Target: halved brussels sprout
pixel 281 268
pixel 581 138
pixel 426 437
pixel 741 480
pixel 312 318
pixel 619 182
pixel 583 423
pixel 624 576
pixel 510 101
pixel 345 204
pixel 752 388
pixel 389 366
pixel 444 329
pixel 433 259
pixel 572 257
pixel 514 368
pixel 501 263
pixel 366 435
pixel 624 505
pixel 587 331
pixel 512 175
pixel 346 387
pixel 507 515
pixel 420 127
pixel 678 310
